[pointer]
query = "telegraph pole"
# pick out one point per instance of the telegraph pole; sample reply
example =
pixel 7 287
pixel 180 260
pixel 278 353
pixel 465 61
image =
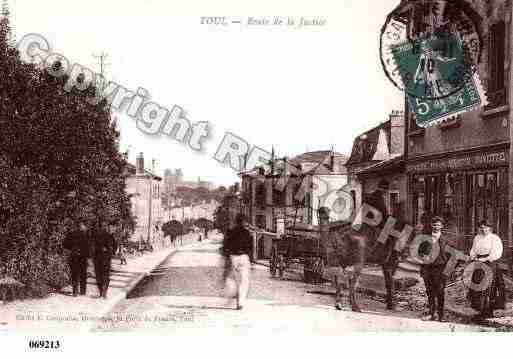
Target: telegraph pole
pixel 272 191
pixel 100 80
pixel 151 195
pixel 101 60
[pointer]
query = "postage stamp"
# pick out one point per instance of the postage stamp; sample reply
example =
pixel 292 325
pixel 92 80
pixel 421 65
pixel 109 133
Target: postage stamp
pixel 438 82
pixel 431 50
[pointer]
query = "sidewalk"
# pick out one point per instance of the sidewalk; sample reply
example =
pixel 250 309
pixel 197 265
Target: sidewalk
pixel 61 312
pixel 414 298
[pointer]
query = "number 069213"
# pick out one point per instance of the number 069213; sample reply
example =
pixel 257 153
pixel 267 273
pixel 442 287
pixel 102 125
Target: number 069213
pixel 44 344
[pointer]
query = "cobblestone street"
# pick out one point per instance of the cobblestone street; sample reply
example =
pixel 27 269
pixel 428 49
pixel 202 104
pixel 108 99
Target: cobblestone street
pixel 186 293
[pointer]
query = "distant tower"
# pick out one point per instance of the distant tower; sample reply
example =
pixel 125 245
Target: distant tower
pixel 168 177
pixel 179 175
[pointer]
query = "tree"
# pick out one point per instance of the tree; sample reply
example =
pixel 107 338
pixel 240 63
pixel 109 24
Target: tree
pixel 204 223
pixel 173 229
pixel 222 219
pixel 65 142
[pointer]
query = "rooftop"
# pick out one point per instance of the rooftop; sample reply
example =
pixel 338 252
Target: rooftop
pixel 366 145
pixel 321 163
pixel 132 171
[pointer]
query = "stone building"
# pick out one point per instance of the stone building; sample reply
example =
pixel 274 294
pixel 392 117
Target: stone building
pixel 378 155
pixel 291 190
pixel 181 213
pixel 175 179
pixel 461 169
pixel 144 189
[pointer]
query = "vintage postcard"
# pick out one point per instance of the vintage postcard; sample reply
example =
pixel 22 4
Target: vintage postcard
pixel 201 168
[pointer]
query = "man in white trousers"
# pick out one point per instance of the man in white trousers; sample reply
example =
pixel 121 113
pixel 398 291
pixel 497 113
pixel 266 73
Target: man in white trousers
pixel 238 251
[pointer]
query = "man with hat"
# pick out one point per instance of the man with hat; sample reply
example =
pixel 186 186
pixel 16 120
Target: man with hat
pixel 487 248
pixel 78 242
pixel 434 259
pixel 104 248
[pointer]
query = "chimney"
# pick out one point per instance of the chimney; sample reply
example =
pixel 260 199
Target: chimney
pixel 139 164
pixel 335 163
pixel 397 133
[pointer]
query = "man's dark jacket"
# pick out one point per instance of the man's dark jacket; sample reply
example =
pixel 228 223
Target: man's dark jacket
pixel 104 244
pixel 78 243
pixel 439 263
pixel 238 241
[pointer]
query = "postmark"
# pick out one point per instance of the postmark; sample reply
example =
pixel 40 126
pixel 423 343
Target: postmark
pixel 431 50
pixel 437 80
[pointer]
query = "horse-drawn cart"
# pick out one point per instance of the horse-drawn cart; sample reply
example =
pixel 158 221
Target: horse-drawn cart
pixel 300 245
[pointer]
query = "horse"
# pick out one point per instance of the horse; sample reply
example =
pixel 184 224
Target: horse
pixel 346 246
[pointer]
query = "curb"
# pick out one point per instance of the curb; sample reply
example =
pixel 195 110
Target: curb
pixel 124 294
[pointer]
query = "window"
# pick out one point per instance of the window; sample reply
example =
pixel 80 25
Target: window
pixel 279 197
pixel 462 199
pixel 246 193
pixel 413 128
pixel 394 209
pixel 260 194
pixel 260 221
pixel 496 53
pixel 419 207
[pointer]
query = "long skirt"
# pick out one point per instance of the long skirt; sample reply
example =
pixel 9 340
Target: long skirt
pixel 491 298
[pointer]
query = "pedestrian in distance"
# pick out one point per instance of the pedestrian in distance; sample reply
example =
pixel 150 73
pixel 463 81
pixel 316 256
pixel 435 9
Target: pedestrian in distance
pixel 122 255
pixel 432 269
pixel 78 242
pixel 487 248
pixel 238 252
pixel 104 249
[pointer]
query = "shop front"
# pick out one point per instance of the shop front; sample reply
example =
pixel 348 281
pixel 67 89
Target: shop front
pixel 463 188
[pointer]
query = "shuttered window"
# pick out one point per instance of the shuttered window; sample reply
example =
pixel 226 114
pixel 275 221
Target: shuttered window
pixel 496 55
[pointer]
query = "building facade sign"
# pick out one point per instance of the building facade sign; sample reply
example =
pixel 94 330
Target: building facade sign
pixel 467 161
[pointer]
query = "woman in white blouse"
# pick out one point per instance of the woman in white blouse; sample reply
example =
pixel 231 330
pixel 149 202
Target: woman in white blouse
pixel 487 248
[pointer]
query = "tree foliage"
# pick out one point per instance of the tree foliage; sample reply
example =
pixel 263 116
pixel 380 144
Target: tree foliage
pixel 222 218
pixel 60 164
pixel 173 228
pixel 186 196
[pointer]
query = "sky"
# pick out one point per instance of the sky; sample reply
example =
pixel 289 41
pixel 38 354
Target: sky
pixel 297 89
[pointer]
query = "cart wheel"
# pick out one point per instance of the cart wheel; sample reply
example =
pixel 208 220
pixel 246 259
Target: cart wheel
pixel 307 270
pixel 318 270
pixel 273 263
